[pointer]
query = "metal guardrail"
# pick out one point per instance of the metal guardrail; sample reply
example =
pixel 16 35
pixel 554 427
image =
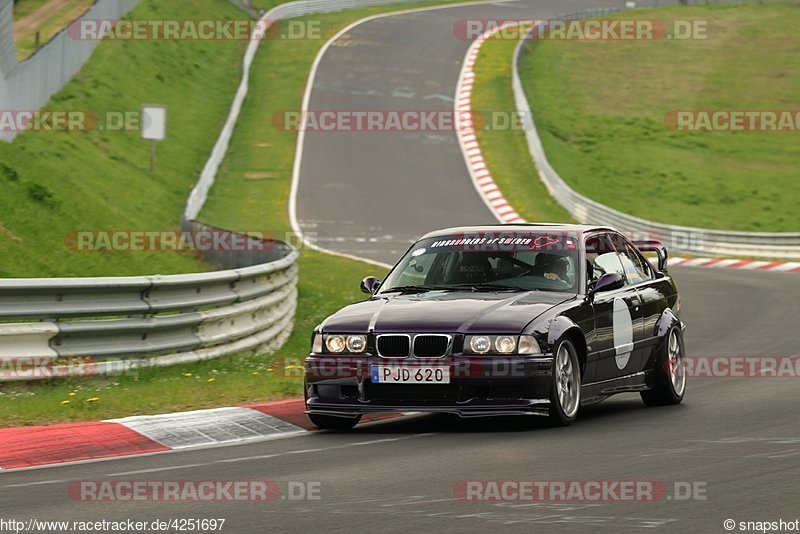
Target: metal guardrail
pixel 685 239
pixel 121 323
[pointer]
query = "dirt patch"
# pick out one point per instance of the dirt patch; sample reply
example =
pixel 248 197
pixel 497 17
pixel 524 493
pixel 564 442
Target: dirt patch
pixel 31 21
pixel 9 233
pixel 258 175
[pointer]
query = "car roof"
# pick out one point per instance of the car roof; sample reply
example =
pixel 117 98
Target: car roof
pixel 522 228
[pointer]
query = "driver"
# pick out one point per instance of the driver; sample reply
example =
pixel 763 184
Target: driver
pixel 552 267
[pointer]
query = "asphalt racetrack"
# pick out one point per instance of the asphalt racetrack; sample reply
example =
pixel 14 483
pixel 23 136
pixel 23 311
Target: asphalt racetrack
pixel 735 440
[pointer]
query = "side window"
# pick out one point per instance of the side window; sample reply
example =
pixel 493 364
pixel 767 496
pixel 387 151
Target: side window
pixel 601 257
pixel 636 271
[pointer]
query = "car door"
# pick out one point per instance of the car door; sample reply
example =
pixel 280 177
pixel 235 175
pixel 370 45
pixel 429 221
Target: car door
pixel 617 314
pixel 653 294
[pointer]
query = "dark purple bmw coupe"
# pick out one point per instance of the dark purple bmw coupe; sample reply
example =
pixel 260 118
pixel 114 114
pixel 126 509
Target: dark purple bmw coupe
pixel 503 320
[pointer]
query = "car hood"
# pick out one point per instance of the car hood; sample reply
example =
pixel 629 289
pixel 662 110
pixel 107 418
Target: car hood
pixel 445 312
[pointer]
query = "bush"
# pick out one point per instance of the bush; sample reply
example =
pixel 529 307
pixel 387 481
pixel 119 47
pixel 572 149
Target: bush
pixel 41 194
pixel 9 172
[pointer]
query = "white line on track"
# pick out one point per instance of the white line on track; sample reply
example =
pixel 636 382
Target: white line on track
pixel 429 501
pixel 331 448
pixel 155 470
pixel 775 454
pixel 39 483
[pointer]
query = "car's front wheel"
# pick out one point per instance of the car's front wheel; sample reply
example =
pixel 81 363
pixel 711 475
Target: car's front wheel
pixel 670 372
pixel 330 422
pixel 565 387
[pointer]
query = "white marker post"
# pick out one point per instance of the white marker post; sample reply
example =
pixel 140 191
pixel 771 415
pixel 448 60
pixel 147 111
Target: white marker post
pixel 154 128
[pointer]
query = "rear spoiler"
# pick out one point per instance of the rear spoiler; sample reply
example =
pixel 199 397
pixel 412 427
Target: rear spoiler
pixel 658 248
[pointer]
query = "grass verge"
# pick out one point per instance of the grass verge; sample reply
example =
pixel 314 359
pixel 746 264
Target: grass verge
pixel 600 108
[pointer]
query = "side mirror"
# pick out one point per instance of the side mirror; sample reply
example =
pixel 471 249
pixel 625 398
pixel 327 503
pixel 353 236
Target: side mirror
pixel 607 282
pixel 658 248
pixel 370 285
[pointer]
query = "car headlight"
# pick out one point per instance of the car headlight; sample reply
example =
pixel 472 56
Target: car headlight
pixel 502 344
pixel 357 343
pixel 335 344
pixel 345 343
pixel 505 344
pixel 480 344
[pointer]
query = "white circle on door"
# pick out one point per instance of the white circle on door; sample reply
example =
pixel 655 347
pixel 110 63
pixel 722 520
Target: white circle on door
pixel 623 333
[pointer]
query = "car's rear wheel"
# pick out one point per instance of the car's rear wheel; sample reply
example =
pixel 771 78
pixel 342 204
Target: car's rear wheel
pixel 670 372
pixel 565 387
pixel 330 422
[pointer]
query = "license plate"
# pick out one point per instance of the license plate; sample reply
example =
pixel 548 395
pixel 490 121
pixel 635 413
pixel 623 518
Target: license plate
pixel 396 374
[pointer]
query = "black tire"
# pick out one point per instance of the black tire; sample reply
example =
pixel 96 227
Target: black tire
pixel 330 422
pixel 562 381
pixel 668 391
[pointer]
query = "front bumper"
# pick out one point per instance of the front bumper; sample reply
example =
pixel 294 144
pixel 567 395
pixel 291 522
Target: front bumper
pixel 479 386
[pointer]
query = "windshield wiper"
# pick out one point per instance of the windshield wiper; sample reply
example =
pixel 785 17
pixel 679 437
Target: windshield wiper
pixel 456 287
pixel 408 289
pixel 490 287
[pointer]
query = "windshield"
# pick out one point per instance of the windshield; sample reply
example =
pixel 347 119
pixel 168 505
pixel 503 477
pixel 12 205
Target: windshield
pixel 523 262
